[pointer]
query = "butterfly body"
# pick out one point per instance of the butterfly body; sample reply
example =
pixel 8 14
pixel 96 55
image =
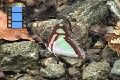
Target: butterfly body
pixel 61 43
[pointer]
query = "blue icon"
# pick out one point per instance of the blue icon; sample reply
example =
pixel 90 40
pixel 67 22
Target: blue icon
pixel 16 24
pixel 16 14
pixel 16 9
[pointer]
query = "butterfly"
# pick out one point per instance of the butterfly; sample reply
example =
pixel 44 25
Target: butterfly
pixel 61 43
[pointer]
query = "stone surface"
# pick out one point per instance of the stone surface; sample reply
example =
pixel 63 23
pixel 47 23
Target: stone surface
pixel 17 4
pixel 46 53
pixel 73 61
pixel 46 62
pixel 114 10
pixel 91 11
pixel 33 72
pixel 53 71
pixel 80 31
pixel 109 55
pixel 26 77
pixel 115 71
pixel 2 75
pixel 43 28
pixel 73 71
pixel 19 56
pixel 93 57
pixel 96 71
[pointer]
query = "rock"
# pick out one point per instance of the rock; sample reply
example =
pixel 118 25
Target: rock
pixel 19 56
pixel 47 61
pixel 93 51
pixel 61 2
pixel 114 10
pixel 62 8
pixel 43 28
pixel 26 77
pixel 53 71
pixel 80 30
pixel 46 53
pixel 73 71
pixel 2 75
pixel 93 57
pixel 12 77
pixel 115 71
pixel 96 71
pixel 99 44
pixel 33 72
pixel 92 11
pixel 73 61
pixel 117 2
pixel 109 55
pixel 17 4
pixel 98 30
pixel 31 2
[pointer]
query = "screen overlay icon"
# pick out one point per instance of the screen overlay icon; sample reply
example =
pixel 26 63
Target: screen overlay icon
pixel 16 17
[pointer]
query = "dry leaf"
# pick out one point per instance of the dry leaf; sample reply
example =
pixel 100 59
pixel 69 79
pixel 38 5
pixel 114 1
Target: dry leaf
pixel 113 41
pixel 10 1
pixel 9 33
pixel 113 38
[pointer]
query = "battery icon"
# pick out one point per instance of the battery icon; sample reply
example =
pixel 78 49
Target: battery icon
pixel 16 17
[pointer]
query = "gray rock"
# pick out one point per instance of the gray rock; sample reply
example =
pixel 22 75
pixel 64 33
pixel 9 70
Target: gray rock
pixel 91 11
pixel 46 62
pixel 80 31
pixel 109 55
pixel 73 61
pixel 33 72
pixel 26 77
pixel 46 53
pixel 43 28
pixel 73 71
pixel 96 71
pixel 2 75
pixel 52 71
pixel 17 76
pixel 19 56
pixel 115 12
pixel 115 71
pixel 17 4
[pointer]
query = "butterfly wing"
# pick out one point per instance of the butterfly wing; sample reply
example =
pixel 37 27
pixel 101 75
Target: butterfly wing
pixel 62 47
pixel 61 44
